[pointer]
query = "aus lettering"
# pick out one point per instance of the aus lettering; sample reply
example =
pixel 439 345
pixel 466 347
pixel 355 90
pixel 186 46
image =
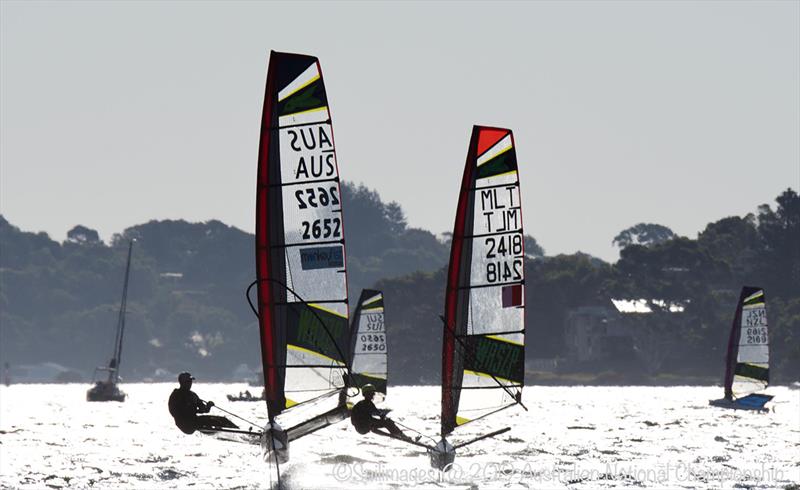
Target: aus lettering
pixel 310 138
pixel 315 167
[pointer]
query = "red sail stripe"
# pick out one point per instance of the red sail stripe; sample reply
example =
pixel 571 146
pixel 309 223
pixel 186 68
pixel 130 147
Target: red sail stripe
pixel 489 137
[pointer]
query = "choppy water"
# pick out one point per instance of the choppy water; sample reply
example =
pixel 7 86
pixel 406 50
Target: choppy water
pixel 571 437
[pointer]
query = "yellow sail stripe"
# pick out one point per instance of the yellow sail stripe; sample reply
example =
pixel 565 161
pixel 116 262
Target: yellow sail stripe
pixel 461 420
pixel 290 403
pixel 371 310
pixel 314 353
pixel 753 296
pixel 307 111
pixel 496 155
pixel 372 300
pixel 504 339
pixel 485 375
pixel 500 175
pixel 302 86
pixel 327 310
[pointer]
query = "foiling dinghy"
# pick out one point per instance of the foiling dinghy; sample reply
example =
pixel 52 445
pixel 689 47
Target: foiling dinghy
pixel 483 347
pixel 747 361
pixel 302 304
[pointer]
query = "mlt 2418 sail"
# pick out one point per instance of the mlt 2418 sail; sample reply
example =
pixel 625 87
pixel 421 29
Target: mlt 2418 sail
pixel 483 351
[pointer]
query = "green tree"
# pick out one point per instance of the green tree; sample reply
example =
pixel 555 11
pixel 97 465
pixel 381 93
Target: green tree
pixel 646 234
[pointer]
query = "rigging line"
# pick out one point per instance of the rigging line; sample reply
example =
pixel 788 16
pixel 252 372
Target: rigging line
pixel 415 431
pixel 234 415
pixel 312 310
pixel 516 397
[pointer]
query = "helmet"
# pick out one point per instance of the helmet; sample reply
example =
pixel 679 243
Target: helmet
pixel 184 377
pixel 367 389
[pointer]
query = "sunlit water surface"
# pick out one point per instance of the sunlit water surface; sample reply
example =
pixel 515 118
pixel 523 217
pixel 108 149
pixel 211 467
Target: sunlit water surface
pixel 570 437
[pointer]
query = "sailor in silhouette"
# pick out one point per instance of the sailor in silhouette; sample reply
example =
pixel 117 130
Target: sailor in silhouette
pixel 366 417
pixel 185 405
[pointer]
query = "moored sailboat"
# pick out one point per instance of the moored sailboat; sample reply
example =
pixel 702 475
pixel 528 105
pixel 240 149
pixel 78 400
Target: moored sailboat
pixel 108 390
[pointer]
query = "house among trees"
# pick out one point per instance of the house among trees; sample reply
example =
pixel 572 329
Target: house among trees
pixel 624 332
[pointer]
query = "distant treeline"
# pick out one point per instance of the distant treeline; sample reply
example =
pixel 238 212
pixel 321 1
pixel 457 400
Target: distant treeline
pixel 187 310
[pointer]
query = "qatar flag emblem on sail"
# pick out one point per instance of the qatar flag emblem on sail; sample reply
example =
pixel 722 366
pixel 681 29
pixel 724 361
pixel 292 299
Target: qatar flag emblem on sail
pixel 483 355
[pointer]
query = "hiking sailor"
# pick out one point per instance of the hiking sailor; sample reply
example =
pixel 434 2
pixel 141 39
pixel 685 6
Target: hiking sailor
pixel 184 405
pixel 366 417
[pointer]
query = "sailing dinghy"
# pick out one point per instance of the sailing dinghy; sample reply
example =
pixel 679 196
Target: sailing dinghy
pixel 747 361
pixel 108 390
pixel 483 348
pixel 300 257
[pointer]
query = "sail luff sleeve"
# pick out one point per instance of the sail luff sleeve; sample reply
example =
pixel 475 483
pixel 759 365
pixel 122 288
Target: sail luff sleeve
pixel 450 368
pixel 263 242
pixel 733 346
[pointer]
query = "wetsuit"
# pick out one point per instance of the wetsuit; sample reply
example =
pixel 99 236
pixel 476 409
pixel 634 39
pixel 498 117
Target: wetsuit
pixel 184 405
pixel 365 417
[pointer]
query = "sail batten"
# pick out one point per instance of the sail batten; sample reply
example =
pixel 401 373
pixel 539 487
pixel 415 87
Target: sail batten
pixel 300 246
pixel 483 344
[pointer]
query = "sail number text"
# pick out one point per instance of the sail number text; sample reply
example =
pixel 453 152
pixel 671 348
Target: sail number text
pixel 498 214
pixel 374 322
pixel 504 271
pixel 373 343
pixel 757 335
pixel 317 196
pixel 322 228
pixel 755 317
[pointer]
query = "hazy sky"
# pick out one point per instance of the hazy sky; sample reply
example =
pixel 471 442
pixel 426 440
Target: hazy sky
pixel 677 113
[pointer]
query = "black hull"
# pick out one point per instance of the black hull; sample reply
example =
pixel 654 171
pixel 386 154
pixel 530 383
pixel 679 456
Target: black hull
pixel 103 392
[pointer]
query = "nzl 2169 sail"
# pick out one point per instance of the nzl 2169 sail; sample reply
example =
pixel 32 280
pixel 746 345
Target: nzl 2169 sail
pixel 300 250
pixel 483 352
pixel 747 361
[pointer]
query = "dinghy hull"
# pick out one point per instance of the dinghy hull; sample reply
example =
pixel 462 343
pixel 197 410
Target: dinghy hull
pixel 753 402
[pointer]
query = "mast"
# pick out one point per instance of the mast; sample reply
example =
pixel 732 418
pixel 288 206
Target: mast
pixel 458 273
pixel 733 346
pixel 113 367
